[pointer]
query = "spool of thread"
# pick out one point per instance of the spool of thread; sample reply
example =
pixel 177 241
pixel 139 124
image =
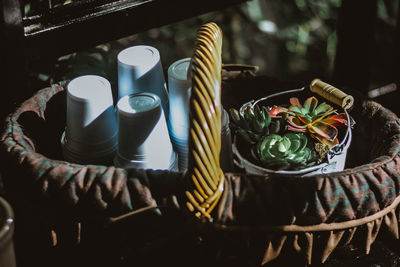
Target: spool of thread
pixel 331 93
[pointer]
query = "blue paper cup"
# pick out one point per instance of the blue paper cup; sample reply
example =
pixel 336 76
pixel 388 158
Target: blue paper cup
pixel 139 71
pixel 91 132
pixel 143 139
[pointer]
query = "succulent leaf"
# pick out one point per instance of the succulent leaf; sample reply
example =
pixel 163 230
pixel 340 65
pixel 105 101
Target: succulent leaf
pixel 336 120
pixel 275 127
pixel 295 141
pixel 294 101
pixel 317 119
pixel 248 114
pixel 324 130
pixel 234 115
pixel 245 135
pixel 310 104
pixel 275 111
pixel 296 109
pixel 266 115
pixel 322 109
pixel 254 123
pixel 299 125
pixel 283 152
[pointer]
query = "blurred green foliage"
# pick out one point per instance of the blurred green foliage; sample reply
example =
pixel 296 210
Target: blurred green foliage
pixel 287 39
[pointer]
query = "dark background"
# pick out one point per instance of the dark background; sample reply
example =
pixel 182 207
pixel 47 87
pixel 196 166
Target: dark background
pixel 295 40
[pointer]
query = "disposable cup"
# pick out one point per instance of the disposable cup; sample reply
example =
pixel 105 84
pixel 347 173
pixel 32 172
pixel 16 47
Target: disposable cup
pixel 181 148
pixel 226 156
pixel 87 154
pixel 91 132
pixel 143 164
pixel 143 139
pixel 140 70
pixel 179 85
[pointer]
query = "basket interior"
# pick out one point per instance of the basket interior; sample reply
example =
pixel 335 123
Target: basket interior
pixel 373 134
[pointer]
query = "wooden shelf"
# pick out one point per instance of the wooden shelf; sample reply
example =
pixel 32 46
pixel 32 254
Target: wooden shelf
pixel 73 27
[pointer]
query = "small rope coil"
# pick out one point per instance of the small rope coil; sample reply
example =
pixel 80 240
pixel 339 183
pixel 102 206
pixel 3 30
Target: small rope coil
pixel 332 94
pixel 205 179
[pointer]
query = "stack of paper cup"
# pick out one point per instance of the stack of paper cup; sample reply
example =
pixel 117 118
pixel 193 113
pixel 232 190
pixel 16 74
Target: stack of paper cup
pixel 179 85
pixel 143 139
pixel 140 70
pixel 91 133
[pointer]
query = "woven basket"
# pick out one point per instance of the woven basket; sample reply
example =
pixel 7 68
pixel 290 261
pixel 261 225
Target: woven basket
pixel 63 205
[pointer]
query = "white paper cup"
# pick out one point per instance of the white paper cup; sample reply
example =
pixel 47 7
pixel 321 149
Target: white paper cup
pixel 179 85
pixel 182 149
pixel 140 70
pixel 143 139
pixel 143 164
pixel 91 132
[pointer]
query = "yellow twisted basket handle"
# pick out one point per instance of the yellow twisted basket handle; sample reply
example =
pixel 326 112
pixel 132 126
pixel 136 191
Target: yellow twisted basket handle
pixel 205 178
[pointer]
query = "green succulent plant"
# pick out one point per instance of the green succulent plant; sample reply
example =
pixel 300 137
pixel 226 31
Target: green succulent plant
pixel 289 151
pixel 255 123
pixel 319 120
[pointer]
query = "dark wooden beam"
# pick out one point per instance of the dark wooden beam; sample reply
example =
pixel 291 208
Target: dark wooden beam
pixel 13 71
pixel 69 29
pixel 56 31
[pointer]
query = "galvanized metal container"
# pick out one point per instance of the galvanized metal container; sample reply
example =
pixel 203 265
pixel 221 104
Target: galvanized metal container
pixel 336 156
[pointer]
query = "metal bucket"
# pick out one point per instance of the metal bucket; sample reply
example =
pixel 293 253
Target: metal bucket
pixel 7 256
pixel 336 156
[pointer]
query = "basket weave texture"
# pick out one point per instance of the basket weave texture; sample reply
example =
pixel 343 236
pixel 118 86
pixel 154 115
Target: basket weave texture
pixel 330 208
pixel 305 213
pixel 313 215
pixel 31 152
